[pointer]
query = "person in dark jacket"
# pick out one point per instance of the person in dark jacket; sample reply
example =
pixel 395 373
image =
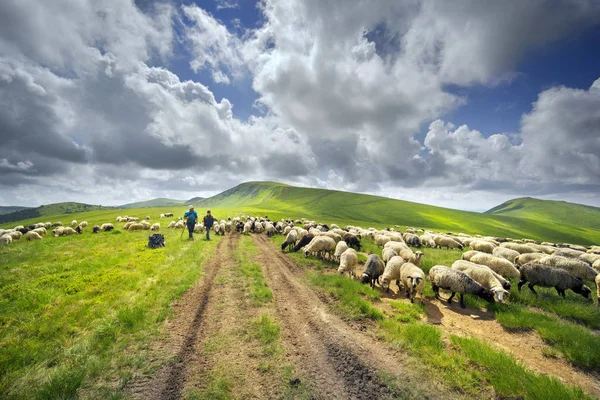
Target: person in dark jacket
pixel 191 217
pixel 209 221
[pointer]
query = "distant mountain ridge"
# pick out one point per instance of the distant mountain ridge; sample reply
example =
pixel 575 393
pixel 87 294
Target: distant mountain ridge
pixel 161 202
pixel 11 209
pixel 50 209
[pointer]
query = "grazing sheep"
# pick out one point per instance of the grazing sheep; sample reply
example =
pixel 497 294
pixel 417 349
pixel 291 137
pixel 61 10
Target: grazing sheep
pixel 340 248
pixel 57 224
pixel 468 254
pixel 482 245
pixel 135 227
pixel 247 228
pixel 155 227
pixel 598 289
pixel 171 224
pixel 570 253
pixel 40 231
pixel 59 231
pixel 199 228
pixel 427 240
pixel 497 264
pixel 442 277
pixel 145 224
pixel 526 258
pixel 306 239
pixel 147 218
pixel 397 246
pixel 74 222
pixel 348 262
pixel 128 224
pixel 162 215
pixel 69 231
pixel 179 224
pixel 380 240
pixel 5 239
pixel 168 214
pixel 506 253
pixel 413 279
pixel 521 248
pixel 47 225
pixel 320 245
pixel 411 257
pixel 374 267
pixel 119 219
pixel 15 235
pixel 462 265
pixel 487 279
pixel 590 257
pixel 290 240
pixel 576 267
pixel 387 253
pixel 595 265
pixel 83 224
pixel 547 276
pixel 392 272
pixel 448 242
pixel 31 235
pixel 95 229
pixel 412 240
pixel 106 227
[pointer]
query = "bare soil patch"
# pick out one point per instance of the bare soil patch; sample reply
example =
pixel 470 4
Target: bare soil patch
pixel 340 361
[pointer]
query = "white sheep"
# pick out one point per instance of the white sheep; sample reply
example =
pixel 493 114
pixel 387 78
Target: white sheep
pixel 381 240
pixel 5 239
pixel 15 235
pixel 411 257
pixel 521 248
pixel 340 248
pixel 107 226
pixel 442 277
pixel 427 240
pixel 487 279
pixel 510 255
pixel 461 265
pixel 413 280
pixel 574 266
pixel 31 235
pixel 58 231
pixel 468 254
pixel 135 227
pixel 387 253
pixel 595 265
pixel 40 231
pixel 290 240
pixel 590 257
pixel 199 228
pixel 348 262
pixel 155 227
pixel 320 245
pixel 69 231
pixel 179 224
pixel 482 245
pixel 598 289
pixel 74 222
pixel 83 224
pixel 448 242
pixel 171 224
pixel 391 272
pixel 525 258
pixel 396 246
pixel 498 264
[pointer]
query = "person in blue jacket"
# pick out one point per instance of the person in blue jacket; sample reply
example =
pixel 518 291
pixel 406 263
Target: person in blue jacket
pixel 209 221
pixel 191 217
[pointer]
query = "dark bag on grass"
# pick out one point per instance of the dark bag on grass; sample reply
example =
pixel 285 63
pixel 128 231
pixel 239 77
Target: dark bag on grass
pixel 155 241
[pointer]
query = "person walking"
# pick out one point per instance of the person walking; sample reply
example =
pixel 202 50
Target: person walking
pixel 209 221
pixel 191 217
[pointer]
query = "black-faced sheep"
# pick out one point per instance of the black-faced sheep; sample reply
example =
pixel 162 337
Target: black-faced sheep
pixel 374 267
pixel 413 280
pixel 95 229
pixel 392 272
pixel 442 277
pixel 547 276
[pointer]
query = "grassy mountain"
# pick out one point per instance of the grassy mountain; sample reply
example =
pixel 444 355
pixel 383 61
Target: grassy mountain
pixel 47 210
pixel 11 209
pixel 279 200
pixel 158 202
pixel 548 210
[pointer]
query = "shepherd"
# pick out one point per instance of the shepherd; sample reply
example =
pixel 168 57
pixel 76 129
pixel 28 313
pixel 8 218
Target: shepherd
pixel 191 217
pixel 209 221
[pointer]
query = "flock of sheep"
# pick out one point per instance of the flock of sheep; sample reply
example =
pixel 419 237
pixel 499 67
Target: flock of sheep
pixel 486 270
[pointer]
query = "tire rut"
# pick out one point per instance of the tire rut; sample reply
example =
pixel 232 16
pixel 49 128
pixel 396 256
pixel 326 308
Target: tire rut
pixel 340 362
pixel 168 383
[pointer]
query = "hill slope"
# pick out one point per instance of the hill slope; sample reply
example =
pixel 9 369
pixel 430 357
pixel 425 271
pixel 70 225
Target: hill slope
pixel 11 209
pixel 158 202
pixel 279 200
pixel 50 209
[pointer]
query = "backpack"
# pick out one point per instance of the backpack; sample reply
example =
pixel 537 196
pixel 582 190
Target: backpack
pixel 155 241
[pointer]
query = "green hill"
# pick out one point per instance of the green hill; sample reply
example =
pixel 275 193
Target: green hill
pixel 158 202
pixel 279 200
pixel 562 212
pixel 11 209
pixel 47 210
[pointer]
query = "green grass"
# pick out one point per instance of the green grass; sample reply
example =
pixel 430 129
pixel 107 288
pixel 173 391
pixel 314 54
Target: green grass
pixel 259 291
pixel 78 312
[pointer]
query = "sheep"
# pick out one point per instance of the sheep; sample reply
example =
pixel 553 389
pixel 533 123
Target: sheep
pixel 306 239
pixel 521 248
pixel 5 239
pixel 462 265
pixel 525 258
pixel 155 227
pixel 199 228
pixel 31 235
pixel 590 257
pixel 392 272
pixel 69 231
pixel 448 242
pixel 374 267
pixel 47 225
pixel 135 227
pixel 396 246
pixel 409 256
pixel 58 231
pixel 442 277
pixel 412 240
pixel 83 224
pixel 595 265
pixel 145 224
pixel 487 279
pixel 40 231
pixel 468 254
pixel 247 228
pixel 290 240
pixel 497 264
pixel 575 267
pixel 171 224
pixel 74 222
pixel 147 218
pixel 598 289
pixel 395 237
pixel 387 253
pixel 413 279
pixel 340 248
pixel 58 223
pixel 320 245
pixel 568 253
pixel 505 253
pixel 162 215
pixel 106 227
pixel 547 276
pixel 96 229
pixel 179 224
pixel 380 240
pixel 348 262
pixel 119 219
pixel 168 214
pixel 482 245
pixel 427 241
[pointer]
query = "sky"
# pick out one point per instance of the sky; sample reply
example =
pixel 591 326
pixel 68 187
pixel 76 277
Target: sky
pixel 462 104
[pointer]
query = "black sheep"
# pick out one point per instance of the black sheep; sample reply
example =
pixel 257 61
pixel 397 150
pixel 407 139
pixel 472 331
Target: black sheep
pixel 352 241
pixel 304 241
pixel 374 268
